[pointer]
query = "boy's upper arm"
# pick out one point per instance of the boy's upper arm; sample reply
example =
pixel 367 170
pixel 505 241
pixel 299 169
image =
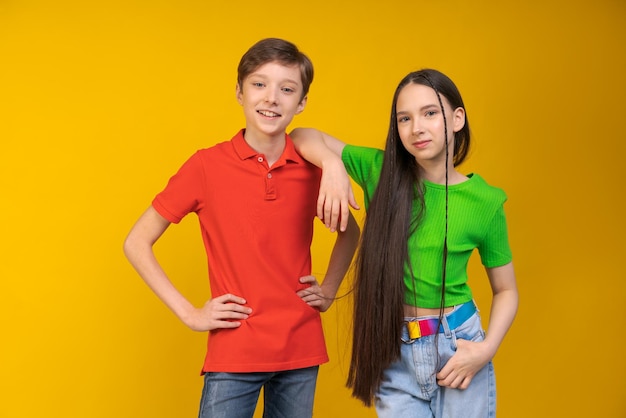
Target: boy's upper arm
pixel 334 144
pixel 149 227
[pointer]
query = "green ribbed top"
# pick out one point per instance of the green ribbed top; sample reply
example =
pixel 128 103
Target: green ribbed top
pixel 476 220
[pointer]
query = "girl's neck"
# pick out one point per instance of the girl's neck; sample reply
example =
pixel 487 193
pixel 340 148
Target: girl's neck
pixel 437 175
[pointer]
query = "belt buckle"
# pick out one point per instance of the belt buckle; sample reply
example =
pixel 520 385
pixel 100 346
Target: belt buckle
pixel 414 330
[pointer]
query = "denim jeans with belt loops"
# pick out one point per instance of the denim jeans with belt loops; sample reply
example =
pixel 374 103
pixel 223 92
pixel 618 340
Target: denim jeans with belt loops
pixel 286 394
pixel 409 387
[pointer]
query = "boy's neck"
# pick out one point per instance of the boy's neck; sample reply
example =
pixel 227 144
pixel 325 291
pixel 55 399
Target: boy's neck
pixel 271 147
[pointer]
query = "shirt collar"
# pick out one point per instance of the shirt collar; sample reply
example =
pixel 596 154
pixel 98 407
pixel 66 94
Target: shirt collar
pixel 244 151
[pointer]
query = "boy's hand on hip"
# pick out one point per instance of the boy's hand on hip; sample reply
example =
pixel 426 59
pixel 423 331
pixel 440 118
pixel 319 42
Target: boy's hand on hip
pixel 224 311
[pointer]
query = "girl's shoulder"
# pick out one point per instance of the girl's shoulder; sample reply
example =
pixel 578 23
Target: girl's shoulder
pixel 371 158
pixel 363 164
pixel 361 152
pixel 479 185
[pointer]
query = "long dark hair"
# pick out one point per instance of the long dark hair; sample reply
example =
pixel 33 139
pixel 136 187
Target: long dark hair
pixel 383 254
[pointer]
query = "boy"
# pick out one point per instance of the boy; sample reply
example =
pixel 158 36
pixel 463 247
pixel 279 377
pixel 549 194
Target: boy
pixel 255 198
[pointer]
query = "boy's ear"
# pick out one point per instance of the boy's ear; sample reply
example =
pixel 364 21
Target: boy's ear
pixel 238 94
pixel 458 119
pixel 301 105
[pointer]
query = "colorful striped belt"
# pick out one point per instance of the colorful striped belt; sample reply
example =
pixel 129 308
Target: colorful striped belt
pixel 424 327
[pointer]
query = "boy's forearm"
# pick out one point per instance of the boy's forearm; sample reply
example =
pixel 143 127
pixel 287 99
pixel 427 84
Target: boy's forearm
pixel 138 248
pixel 148 268
pixel 335 194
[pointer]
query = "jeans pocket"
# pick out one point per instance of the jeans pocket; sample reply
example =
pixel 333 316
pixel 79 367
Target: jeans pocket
pixel 470 330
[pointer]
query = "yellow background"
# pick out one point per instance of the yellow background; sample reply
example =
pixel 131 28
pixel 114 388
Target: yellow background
pixel 101 101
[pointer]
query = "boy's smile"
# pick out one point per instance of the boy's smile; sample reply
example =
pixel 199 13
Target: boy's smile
pixel 268 113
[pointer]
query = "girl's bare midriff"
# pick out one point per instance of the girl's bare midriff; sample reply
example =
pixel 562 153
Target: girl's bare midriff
pixel 414 311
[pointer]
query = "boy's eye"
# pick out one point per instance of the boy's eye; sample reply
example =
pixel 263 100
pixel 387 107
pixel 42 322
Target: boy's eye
pixel 288 90
pixel 257 84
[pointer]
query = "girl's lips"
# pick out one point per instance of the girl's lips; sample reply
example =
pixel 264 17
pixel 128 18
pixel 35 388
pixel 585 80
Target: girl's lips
pixel 421 144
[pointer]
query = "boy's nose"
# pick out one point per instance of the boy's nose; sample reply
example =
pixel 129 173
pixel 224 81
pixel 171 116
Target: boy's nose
pixel 270 97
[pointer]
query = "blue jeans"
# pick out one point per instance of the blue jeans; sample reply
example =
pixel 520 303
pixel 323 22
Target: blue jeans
pixel 287 394
pixel 409 387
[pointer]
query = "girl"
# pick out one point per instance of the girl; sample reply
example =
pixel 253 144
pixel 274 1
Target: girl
pixel 419 349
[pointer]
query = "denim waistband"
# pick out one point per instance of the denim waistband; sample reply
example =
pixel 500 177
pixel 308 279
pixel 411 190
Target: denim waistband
pixel 423 327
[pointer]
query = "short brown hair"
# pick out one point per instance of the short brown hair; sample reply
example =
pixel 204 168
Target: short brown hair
pixel 279 50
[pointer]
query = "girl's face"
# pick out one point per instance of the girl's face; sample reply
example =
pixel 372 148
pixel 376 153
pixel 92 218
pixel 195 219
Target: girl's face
pixel 420 123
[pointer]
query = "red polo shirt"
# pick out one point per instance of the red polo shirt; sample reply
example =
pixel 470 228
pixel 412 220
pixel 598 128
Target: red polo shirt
pixel 257 227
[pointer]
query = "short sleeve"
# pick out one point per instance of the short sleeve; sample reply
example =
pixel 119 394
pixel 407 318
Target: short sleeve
pixel 363 165
pixel 494 249
pixel 184 191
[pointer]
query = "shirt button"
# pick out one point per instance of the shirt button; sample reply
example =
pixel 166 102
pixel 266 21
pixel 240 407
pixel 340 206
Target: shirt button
pixel 269 175
pixel 260 159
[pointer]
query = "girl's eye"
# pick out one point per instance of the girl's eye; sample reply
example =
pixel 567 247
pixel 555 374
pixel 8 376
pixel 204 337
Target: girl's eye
pixel 403 119
pixel 431 113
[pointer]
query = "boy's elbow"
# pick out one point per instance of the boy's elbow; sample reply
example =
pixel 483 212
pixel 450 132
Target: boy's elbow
pixel 127 245
pixel 131 244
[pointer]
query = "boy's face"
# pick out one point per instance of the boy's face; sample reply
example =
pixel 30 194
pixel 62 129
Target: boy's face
pixel 271 97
